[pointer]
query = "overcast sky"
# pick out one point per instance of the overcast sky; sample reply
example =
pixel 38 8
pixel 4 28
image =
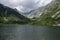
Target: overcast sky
pixel 25 5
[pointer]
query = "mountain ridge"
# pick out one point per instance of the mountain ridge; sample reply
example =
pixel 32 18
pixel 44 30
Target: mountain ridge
pixel 9 15
pixel 38 12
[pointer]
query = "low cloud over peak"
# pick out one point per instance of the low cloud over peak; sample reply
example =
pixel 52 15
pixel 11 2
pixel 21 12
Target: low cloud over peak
pixel 25 5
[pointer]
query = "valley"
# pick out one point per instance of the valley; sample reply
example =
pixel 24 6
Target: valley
pixel 48 15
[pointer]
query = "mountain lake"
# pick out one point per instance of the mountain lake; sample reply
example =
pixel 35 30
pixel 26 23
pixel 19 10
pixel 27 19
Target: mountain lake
pixel 26 32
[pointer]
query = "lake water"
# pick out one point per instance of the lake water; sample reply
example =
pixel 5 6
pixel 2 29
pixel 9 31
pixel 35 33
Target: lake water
pixel 25 32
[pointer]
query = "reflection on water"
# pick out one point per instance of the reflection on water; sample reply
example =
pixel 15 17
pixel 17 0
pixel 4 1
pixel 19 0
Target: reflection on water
pixel 29 33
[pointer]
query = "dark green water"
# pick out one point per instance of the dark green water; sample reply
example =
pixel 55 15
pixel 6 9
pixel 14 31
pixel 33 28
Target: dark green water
pixel 29 33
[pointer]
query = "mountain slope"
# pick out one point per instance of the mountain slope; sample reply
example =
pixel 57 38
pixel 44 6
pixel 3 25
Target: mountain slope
pixel 36 13
pixel 51 16
pixel 9 15
pixel 39 11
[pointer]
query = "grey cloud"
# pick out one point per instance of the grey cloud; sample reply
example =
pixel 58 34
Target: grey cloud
pixel 26 4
